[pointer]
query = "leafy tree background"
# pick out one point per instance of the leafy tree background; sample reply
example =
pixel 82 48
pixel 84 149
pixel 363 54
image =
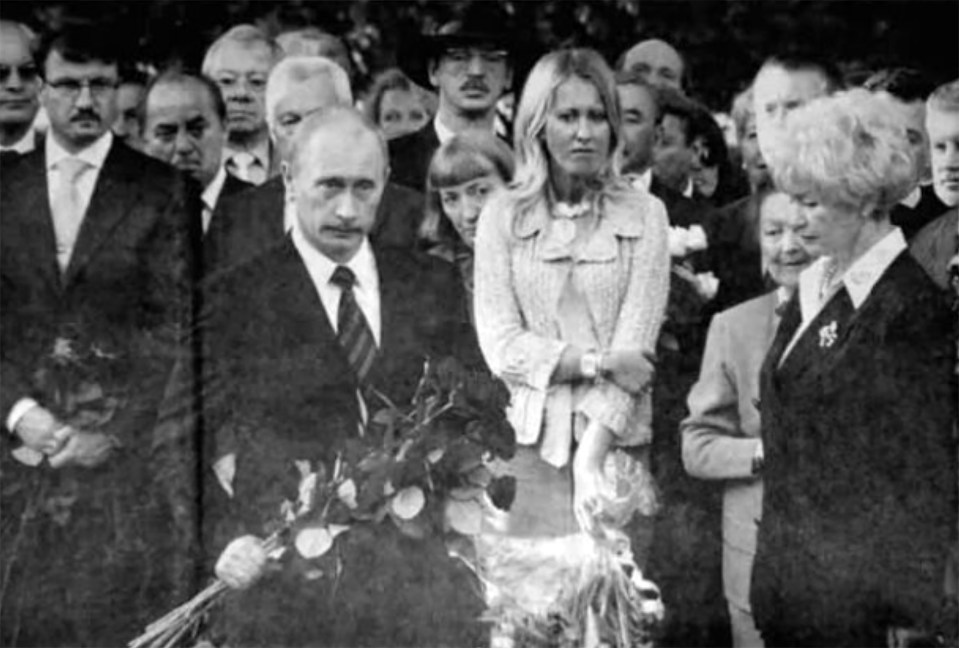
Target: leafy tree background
pixel 723 40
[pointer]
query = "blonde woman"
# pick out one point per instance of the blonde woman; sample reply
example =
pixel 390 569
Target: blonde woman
pixel 571 282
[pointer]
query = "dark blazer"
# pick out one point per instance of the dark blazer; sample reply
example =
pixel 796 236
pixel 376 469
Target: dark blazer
pixel 913 219
pixel 127 288
pixel 251 221
pixel 936 245
pixel 859 507
pixel 277 388
pixel 735 255
pixel 410 157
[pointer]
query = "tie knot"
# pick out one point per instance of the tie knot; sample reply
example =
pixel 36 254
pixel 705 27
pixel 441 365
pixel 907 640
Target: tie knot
pixel 343 277
pixel 72 168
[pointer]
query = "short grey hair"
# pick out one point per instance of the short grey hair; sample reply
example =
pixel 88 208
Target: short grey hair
pixel 344 119
pixel 245 34
pixel 294 70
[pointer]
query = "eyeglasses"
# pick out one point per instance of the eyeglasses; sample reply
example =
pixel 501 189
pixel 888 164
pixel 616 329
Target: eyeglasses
pixel 27 73
pixel 463 55
pixel 72 87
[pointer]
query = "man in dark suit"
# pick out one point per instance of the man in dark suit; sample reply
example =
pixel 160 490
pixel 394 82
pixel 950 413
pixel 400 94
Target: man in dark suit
pixel 183 121
pixel 936 248
pixel 96 269
pixel 254 220
pixel 468 61
pixel 294 340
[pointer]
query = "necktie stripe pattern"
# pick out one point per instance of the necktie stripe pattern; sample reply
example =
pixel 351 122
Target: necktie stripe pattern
pixel 353 331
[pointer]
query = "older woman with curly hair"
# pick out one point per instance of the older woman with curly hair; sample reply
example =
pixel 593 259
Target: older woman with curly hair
pixel 857 398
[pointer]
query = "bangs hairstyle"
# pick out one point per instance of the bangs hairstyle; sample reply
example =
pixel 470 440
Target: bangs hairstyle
pixel 551 71
pixel 464 158
pixel 851 150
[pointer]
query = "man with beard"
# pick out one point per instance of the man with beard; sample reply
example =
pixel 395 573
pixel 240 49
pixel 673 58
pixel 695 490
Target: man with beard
pixel 183 122
pixel 240 62
pixel 468 61
pixel 20 85
pixel 96 267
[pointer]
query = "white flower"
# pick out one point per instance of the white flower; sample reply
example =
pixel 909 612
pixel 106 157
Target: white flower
pixel 707 285
pixel 697 239
pixel 678 242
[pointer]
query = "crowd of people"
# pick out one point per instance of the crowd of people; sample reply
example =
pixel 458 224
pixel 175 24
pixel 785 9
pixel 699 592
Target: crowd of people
pixel 757 325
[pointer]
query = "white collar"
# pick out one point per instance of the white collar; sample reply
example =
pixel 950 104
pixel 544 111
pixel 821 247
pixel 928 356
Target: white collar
pixel 642 180
pixel 212 191
pixel 25 144
pixel 260 152
pixel 859 279
pixel 913 198
pixel 94 155
pixel 321 267
pixel 443 133
pixel 688 189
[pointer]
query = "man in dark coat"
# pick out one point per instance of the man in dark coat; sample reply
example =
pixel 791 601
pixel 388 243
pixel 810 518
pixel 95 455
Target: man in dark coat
pixel 469 63
pixel 96 269
pixel 287 378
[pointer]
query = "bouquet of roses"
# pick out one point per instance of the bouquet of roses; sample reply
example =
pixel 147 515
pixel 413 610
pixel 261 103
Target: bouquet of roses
pixel 419 467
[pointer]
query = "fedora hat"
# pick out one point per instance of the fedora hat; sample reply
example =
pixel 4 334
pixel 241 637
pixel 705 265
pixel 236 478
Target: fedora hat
pixel 484 24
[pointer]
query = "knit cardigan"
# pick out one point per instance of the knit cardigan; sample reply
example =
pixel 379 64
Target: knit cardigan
pixel 522 265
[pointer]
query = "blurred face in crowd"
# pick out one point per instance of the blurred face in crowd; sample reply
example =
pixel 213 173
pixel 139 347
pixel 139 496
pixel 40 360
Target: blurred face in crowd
pixel 916 130
pixel 753 161
pixel 401 112
pixel 19 82
pixel 183 129
pixel 80 100
pixel 301 99
pixel 658 62
pixel 639 127
pixel 471 79
pixel 336 180
pixel 777 92
pixel 705 178
pixel 463 203
pixel 241 71
pixel 780 239
pixel 672 154
pixel 127 125
pixel 943 130
pixel 578 132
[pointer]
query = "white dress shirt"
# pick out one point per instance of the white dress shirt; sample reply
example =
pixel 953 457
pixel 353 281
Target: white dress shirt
pixel 366 289
pixel 259 168
pixel 211 195
pixel 859 280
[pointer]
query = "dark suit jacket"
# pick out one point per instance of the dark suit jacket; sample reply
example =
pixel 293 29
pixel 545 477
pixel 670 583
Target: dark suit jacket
pixel 277 387
pixel 913 219
pixel 249 222
pixel 735 256
pixel 859 507
pixel 127 289
pixel 410 157
pixel 936 245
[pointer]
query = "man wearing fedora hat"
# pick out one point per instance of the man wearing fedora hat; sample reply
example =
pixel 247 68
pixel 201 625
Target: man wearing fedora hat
pixel 470 63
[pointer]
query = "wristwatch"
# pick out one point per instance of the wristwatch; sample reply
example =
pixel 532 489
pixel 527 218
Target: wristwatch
pixel 589 365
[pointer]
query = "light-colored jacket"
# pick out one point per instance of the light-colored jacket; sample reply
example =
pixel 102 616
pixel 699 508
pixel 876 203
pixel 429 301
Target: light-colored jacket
pixel 522 266
pixel 721 434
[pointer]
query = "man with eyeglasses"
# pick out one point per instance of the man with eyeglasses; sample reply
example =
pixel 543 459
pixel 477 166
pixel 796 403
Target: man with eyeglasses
pixel 19 90
pixel 469 62
pixel 96 266
pixel 240 62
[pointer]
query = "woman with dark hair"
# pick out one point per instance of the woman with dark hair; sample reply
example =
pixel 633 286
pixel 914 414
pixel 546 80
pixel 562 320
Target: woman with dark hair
pixel 857 397
pixel 396 105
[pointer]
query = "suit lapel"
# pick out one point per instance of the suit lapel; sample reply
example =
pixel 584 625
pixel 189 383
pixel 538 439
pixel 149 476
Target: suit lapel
pixel 112 200
pixel 36 220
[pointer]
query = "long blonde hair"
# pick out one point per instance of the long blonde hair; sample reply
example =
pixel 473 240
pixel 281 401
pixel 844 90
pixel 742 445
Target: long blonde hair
pixel 532 158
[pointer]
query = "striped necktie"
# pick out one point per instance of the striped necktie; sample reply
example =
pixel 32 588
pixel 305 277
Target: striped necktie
pixel 353 331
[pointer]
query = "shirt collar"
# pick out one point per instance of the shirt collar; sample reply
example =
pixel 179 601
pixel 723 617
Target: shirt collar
pixel 859 279
pixel 913 198
pixel 260 153
pixel 443 133
pixel 688 189
pixel 642 180
pixel 25 144
pixel 94 155
pixel 321 267
pixel 212 191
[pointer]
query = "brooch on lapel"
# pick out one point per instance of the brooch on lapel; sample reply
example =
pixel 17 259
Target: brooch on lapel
pixel 828 335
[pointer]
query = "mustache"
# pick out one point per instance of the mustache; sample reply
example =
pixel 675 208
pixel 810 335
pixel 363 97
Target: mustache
pixel 475 84
pixel 85 114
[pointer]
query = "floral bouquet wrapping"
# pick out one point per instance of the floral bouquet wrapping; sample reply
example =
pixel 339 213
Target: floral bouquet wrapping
pixel 419 468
